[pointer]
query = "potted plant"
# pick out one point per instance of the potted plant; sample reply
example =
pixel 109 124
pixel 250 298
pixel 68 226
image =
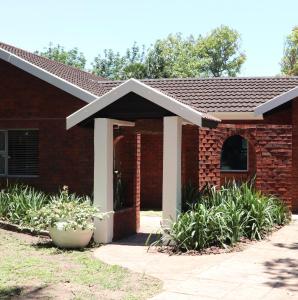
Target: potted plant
pixel 69 219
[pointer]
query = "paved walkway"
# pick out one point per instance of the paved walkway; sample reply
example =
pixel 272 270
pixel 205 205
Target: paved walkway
pixel 265 270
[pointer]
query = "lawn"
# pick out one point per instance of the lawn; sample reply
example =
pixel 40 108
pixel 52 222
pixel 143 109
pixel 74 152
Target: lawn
pixel 31 268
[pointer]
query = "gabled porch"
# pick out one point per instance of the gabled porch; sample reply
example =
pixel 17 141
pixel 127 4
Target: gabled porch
pixel 128 107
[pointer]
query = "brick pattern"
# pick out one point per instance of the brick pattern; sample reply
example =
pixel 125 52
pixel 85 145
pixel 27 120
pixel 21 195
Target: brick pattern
pixel 124 223
pixel 127 147
pixel 295 156
pixel 274 160
pixel 152 160
pixel 66 157
pixel 151 170
pixel 189 154
pixel 270 156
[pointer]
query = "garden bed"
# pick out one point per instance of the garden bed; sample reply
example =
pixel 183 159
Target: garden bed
pixel 222 218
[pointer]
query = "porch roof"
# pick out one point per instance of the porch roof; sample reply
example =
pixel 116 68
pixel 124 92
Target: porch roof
pixel 169 105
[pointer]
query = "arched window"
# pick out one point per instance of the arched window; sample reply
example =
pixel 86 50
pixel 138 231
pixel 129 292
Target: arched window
pixel 234 154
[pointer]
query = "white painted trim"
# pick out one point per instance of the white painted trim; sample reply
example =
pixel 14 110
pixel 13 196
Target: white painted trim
pixel 236 115
pixel 122 123
pixel 171 178
pixel 143 90
pixel 103 178
pixel 277 101
pixel 47 76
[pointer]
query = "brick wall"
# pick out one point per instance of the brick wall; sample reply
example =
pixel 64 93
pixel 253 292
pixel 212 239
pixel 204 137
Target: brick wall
pixel 152 160
pixel 66 157
pixel 295 156
pixel 151 170
pixel 270 156
pixel 127 147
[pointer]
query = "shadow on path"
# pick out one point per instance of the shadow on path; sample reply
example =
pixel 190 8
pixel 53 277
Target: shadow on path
pixel 292 246
pixel 138 239
pixel 283 273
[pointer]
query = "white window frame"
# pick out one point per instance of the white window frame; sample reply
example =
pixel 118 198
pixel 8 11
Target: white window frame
pixel 247 159
pixel 6 175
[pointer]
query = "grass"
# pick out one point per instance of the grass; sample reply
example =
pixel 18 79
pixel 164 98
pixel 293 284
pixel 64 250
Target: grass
pixel 32 269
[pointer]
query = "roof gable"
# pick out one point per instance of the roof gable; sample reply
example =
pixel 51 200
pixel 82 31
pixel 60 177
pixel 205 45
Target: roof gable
pixel 64 77
pixel 277 101
pixel 134 86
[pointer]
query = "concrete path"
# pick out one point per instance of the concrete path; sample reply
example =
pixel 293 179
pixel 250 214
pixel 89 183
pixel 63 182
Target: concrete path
pixel 265 270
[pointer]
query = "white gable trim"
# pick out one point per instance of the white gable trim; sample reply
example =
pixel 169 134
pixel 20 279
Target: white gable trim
pixel 236 115
pixel 47 76
pixel 143 90
pixel 277 101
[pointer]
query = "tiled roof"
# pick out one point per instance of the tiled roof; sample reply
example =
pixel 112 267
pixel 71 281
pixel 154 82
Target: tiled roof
pixel 225 94
pixel 73 75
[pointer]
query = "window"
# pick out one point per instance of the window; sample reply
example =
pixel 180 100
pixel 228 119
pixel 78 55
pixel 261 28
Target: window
pixel 19 153
pixel 234 154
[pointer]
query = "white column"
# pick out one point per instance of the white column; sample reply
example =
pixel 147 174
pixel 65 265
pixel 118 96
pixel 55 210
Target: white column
pixel 171 181
pixel 103 178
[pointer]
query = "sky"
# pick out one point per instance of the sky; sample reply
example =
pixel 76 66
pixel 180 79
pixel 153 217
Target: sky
pixel 93 25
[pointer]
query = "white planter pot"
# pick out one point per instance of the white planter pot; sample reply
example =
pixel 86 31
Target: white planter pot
pixel 70 238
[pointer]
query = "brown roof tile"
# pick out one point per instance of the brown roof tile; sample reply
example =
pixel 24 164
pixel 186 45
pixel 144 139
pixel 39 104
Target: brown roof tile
pixel 225 94
pixel 84 80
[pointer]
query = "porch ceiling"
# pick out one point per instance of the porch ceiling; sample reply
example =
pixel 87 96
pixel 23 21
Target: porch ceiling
pixel 130 108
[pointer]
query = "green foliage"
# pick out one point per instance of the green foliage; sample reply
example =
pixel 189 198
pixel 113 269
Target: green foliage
pixel 71 57
pixel 70 211
pixel 28 207
pixel 216 54
pixel 222 217
pixel 174 57
pixel 17 200
pixel 220 52
pixel 114 66
pixel 289 63
pixel 189 196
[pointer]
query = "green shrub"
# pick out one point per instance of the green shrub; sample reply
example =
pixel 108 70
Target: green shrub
pixel 65 212
pixel 222 217
pixel 189 195
pixel 17 200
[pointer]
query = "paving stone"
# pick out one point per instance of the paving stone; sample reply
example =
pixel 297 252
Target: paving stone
pixel 264 270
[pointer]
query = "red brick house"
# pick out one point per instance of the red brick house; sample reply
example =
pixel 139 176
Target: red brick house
pixel 165 133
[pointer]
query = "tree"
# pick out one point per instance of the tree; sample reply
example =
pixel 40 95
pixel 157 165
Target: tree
pixel 220 53
pixel 217 54
pixel 114 66
pixel 70 57
pixel 173 57
pixel 289 63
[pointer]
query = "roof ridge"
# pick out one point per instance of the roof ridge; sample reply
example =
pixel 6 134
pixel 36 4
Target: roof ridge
pixel 281 77
pixel 222 78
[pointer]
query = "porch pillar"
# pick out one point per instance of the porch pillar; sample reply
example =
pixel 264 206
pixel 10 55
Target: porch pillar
pixel 171 181
pixel 103 177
